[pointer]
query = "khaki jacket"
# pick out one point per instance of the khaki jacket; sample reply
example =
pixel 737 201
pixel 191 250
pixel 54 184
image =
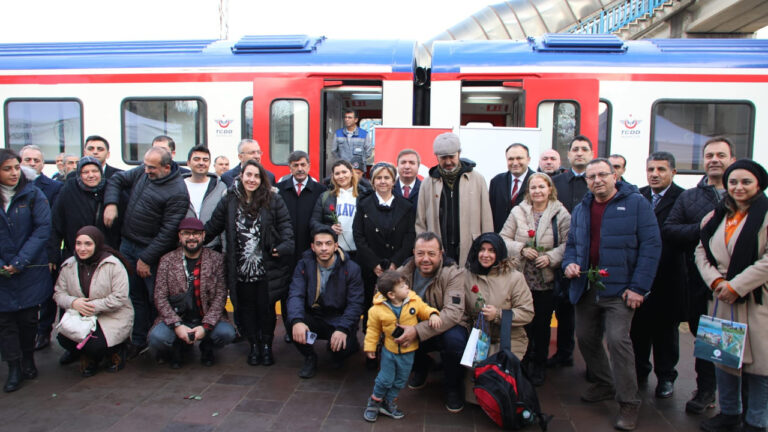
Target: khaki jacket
pixel 520 221
pixel 753 277
pixel 108 293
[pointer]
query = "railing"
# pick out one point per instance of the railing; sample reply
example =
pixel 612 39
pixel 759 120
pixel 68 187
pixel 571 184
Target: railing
pixel 617 16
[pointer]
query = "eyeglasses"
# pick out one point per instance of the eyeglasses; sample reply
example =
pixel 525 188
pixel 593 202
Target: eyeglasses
pixel 192 233
pixel 602 175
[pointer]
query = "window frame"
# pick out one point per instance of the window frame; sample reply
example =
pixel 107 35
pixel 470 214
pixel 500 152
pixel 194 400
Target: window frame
pixel 271 126
pixel 609 121
pixel 7 132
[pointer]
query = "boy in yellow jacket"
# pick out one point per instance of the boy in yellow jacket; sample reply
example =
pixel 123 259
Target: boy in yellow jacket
pixel 394 305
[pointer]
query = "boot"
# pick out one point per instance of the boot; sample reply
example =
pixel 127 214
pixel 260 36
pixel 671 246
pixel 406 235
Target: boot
pixel 627 418
pixel 117 359
pixel 206 353
pixel 88 366
pixel 254 357
pixel 267 358
pixel 28 368
pixel 176 354
pixel 14 376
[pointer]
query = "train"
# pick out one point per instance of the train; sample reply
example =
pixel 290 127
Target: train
pixel 288 92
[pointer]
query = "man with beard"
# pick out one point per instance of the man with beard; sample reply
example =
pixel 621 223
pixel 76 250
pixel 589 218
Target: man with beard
pixel 190 294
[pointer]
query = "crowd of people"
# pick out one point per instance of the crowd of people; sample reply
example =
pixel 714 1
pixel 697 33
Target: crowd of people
pixel 146 259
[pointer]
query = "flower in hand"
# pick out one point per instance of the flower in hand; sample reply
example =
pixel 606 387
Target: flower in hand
pixel 334 216
pixel 480 302
pixel 531 243
pixel 595 275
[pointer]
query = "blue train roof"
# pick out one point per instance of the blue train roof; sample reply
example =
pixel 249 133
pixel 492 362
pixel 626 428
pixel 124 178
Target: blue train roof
pixel 288 51
pixel 600 50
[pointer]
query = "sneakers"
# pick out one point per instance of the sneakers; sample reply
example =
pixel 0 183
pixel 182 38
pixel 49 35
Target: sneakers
pixel 454 402
pixel 372 409
pixel 702 401
pixel 417 380
pixel 310 367
pixel 627 418
pixel 597 393
pixel 390 409
pixel 721 423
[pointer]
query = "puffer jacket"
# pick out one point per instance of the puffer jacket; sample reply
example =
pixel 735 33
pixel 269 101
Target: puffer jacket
pixel 630 244
pixel 24 232
pixel 214 193
pixel 382 319
pixel 520 221
pixel 154 209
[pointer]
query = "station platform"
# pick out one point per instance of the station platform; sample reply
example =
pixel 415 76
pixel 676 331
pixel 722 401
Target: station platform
pixel 147 397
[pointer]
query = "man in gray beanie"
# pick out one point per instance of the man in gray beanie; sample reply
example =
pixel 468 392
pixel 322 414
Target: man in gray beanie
pixel 453 201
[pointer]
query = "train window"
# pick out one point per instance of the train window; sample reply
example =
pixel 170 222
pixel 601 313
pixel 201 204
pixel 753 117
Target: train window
pixel 143 119
pixel 564 118
pixel 247 117
pixel 604 128
pixel 493 105
pixel 682 128
pixel 288 129
pixel 56 126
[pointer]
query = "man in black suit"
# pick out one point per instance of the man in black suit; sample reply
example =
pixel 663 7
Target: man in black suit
pixel 98 147
pixel 655 322
pixel 408 183
pixel 300 192
pixel 508 188
pixel 247 149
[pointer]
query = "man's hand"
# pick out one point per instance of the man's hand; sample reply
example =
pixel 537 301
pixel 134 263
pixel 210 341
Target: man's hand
pixel 182 332
pixel 632 299
pixel 300 333
pixel 10 269
pixel 338 341
pixel 110 214
pixel 142 269
pixel 51 267
pixel 572 271
pixel 377 270
pixel 81 305
pixel 542 261
pixel 409 335
pixel 434 321
pixel 370 354
pixel 199 332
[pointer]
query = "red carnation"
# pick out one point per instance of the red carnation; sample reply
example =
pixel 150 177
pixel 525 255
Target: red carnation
pixel 475 289
pixel 603 273
pixel 531 233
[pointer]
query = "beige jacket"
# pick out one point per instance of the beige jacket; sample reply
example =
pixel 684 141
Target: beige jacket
pixel 753 277
pixel 505 288
pixel 474 209
pixel 108 293
pixel 520 221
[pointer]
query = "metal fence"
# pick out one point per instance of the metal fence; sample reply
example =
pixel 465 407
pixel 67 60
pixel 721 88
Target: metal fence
pixel 617 16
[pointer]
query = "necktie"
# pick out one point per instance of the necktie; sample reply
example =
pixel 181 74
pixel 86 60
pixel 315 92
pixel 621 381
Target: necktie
pixel 298 188
pixel 406 191
pixel 655 198
pixel 515 191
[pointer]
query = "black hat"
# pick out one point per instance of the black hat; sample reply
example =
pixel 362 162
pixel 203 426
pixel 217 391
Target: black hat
pixel 747 164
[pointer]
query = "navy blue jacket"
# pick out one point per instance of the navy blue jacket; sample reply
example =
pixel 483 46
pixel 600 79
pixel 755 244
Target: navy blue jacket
pixel 413 197
pixel 24 233
pixel 49 187
pixel 630 244
pixel 342 303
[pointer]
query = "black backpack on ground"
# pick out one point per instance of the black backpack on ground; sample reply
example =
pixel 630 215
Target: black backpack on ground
pixel 503 391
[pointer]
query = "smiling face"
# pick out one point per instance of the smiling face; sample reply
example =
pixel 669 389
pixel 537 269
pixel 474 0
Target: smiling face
pixel 84 247
pixel 383 182
pixel 717 157
pixel 153 166
pixel 539 190
pixel 90 175
pixel 659 174
pixel 517 160
pixel 342 176
pixel 191 240
pixel 428 256
pixel 601 181
pixel 10 172
pixel 199 162
pixel 251 179
pixel 742 187
pixel 487 255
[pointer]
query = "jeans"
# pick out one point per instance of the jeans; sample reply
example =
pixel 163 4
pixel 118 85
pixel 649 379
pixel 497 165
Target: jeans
pixel 729 387
pixel 162 337
pixel 141 293
pixel 451 346
pixel 17 333
pixel 393 374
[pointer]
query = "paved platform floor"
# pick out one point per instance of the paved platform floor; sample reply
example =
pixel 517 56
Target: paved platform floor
pixel 147 397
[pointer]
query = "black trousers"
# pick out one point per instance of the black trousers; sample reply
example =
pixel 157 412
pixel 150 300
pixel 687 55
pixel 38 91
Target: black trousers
pixel 17 333
pixel 566 325
pixel 318 325
pixel 652 328
pixel 538 330
pixel 256 313
pixel 96 348
pixel 705 370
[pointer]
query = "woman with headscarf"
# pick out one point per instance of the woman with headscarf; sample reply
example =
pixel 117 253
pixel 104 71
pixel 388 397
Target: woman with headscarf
pixel 25 281
pixel 732 258
pixel 95 282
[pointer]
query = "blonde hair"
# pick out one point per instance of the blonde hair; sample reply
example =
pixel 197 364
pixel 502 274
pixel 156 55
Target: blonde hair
pixel 548 180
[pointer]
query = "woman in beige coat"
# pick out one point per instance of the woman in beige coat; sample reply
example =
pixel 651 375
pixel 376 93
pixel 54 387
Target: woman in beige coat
pixel 95 282
pixel 733 260
pixel 529 234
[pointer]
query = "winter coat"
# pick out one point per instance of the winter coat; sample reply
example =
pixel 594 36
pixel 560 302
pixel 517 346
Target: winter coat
pixel 50 188
pixel 475 215
pixel 321 213
pixel 300 209
pixel 379 235
pixel 413 196
pixel 570 189
pixel 229 177
pixel 172 281
pixel 214 193
pixel 630 244
pixel 500 194
pixel 752 278
pixel 667 296
pixel 24 232
pixel 445 293
pixel 342 303
pixel 155 208
pixel 108 293
pixel 515 235
pixel 276 233
pixel 382 320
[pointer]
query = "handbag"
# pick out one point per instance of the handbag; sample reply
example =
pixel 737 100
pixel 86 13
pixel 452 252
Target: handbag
pixel 478 344
pixel 719 340
pixel 76 327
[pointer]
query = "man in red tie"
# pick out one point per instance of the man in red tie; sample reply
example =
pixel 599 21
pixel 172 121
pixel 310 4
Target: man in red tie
pixel 408 183
pixel 507 189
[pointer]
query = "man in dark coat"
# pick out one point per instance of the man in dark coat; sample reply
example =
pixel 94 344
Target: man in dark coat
pixel 246 149
pixel 98 147
pixel 682 228
pixel 300 192
pixel 325 301
pixel 655 322
pixel 408 183
pixel 508 188
pixel 158 202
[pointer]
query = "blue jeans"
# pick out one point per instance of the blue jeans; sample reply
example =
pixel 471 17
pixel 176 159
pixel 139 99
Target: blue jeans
pixel 451 346
pixel 161 338
pixel 393 374
pixel 729 388
pixel 141 293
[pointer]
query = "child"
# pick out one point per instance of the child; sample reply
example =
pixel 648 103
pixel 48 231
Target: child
pixel 394 304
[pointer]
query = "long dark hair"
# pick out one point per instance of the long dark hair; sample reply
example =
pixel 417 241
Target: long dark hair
pixel 5 155
pixel 261 196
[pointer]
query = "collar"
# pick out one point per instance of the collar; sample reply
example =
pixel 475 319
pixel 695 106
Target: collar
pixel 521 178
pixel 575 174
pixel 661 194
pixel 303 183
pixel 388 202
pixel 410 185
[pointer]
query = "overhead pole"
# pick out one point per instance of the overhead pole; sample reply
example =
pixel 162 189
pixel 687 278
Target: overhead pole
pixel 223 19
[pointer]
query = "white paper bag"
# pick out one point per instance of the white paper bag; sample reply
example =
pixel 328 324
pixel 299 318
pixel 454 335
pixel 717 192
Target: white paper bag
pixel 468 358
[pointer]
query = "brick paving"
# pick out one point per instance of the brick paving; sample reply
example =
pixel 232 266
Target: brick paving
pixel 147 397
